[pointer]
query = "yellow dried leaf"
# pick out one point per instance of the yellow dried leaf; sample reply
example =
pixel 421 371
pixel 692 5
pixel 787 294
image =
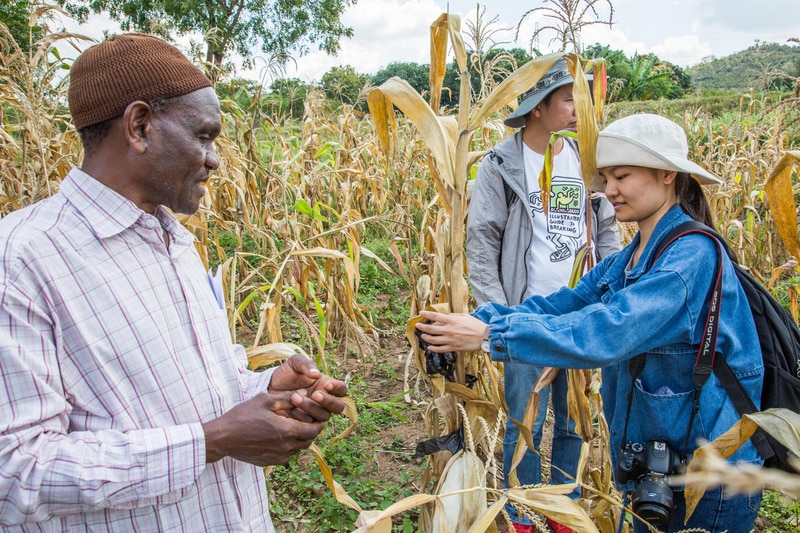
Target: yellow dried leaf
pixel 486 523
pixel 268 354
pixel 379 109
pixel 401 94
pixel 781 201
pixel 515 84
pixel 587 124
pixel 782 424
pixel 462 392
pixel 338 491
pixel 351 412
pixel 372 521
pixel 459 50
pixel 552 501
pixel 439 38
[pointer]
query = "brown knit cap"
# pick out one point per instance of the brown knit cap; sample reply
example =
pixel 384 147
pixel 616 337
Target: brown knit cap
pixel 125 68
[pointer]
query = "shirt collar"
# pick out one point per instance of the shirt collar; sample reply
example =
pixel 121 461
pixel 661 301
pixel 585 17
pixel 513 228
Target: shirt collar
pixel 109 213
pixel 616 271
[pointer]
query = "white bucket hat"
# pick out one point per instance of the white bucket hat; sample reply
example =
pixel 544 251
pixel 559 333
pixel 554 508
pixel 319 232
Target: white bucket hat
pixel 650 141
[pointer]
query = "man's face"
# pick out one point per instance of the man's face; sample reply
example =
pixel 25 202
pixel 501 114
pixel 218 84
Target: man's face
pixel 559 112
pixel 181 152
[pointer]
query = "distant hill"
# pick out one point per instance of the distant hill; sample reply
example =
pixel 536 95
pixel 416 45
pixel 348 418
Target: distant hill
pixel 753 68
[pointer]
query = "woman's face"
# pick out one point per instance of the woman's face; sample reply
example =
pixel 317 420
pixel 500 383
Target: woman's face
pixel 639 194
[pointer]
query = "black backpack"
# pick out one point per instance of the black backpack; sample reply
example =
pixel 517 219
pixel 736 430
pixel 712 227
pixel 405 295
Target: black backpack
pixel 778 336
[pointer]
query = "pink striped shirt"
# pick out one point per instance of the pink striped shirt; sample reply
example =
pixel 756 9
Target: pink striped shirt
pixel 113 351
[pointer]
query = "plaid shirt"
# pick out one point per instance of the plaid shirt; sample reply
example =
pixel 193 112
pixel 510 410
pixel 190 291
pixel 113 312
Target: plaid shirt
pixel 113 351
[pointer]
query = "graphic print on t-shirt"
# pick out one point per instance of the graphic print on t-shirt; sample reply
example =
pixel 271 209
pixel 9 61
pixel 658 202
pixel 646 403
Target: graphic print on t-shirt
pixel 557 236
pixel 564 217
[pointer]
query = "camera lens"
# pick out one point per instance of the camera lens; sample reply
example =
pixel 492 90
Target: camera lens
pixel 652 501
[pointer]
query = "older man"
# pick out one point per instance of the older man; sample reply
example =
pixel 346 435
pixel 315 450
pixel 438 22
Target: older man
pixel 125 405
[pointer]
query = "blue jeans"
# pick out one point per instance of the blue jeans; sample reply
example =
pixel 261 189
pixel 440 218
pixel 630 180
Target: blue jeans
pixel 566 447
pixel 717 512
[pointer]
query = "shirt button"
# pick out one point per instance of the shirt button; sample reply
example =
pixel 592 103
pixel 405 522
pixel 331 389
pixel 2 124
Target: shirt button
pixel 499 348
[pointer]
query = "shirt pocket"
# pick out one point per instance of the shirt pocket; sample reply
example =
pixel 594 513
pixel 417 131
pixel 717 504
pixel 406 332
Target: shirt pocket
pixel 664 415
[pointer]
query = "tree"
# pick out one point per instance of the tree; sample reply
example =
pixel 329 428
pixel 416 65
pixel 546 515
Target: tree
pixel 280 27
pixel 344 84
pixel 647 80
pixel 418 76
pixel 290 95
pixel 641 77
pixel 15 15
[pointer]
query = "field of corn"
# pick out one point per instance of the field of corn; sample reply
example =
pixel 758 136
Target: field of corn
pixel 331 233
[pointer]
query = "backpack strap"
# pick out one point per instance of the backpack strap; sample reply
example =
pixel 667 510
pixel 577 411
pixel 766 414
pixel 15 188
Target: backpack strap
pixel 706 360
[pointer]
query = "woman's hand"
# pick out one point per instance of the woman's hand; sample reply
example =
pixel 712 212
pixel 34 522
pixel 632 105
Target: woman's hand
pixel 456 332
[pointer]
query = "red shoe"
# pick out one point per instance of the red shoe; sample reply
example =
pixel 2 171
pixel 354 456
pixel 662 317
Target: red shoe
pixel 558 528
pixel 522 528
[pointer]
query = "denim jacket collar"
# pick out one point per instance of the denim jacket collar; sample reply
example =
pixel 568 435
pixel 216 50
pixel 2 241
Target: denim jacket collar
pixel 615 275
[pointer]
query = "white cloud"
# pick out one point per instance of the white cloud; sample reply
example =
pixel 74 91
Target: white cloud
pixel 384 31
pixel 680 31
pixel 683 50
pixel 772 16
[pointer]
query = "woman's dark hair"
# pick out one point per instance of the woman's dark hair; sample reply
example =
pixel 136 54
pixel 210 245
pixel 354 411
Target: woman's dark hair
pixel 692 199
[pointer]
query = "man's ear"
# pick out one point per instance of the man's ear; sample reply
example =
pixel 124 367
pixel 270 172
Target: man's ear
pixel 136 122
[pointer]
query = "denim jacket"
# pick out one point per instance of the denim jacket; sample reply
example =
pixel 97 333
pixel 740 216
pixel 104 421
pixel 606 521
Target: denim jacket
pixel 613 315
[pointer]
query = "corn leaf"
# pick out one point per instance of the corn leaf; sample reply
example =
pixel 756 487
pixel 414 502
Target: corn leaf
pixel 372 521
pixel 379 110
pixel 552 502
pixel 515 84
pixel 338 491
pixel 439 38
pixel 486 523
pixel 401 94
pixel 587 123
pixel 267 354
pixel 781 201
pixel 782 424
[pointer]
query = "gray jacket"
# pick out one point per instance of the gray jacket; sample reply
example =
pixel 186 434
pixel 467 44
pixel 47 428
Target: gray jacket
pixel 500 228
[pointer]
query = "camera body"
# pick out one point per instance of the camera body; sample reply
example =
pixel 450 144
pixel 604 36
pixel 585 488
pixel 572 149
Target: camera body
pixel 437 363
pixel 649 467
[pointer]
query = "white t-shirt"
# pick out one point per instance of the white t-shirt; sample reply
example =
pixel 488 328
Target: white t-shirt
pixel 558 235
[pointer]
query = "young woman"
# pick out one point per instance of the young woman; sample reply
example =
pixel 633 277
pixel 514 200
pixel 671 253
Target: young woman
pixel 629 305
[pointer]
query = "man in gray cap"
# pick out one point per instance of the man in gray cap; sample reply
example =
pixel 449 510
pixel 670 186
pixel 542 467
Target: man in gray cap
pixel 516 248
pixel 125 405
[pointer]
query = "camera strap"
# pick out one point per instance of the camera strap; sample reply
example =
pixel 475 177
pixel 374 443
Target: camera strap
pixel 706 354
pixel 635 368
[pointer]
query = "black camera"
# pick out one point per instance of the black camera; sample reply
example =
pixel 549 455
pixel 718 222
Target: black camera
pixel 437 363
pixel 650 467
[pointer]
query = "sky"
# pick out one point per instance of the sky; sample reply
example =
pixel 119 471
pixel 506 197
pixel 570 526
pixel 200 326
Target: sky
pixel 683 32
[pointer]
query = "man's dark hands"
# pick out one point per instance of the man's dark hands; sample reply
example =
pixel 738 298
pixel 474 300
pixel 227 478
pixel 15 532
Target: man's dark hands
pixel 271 427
